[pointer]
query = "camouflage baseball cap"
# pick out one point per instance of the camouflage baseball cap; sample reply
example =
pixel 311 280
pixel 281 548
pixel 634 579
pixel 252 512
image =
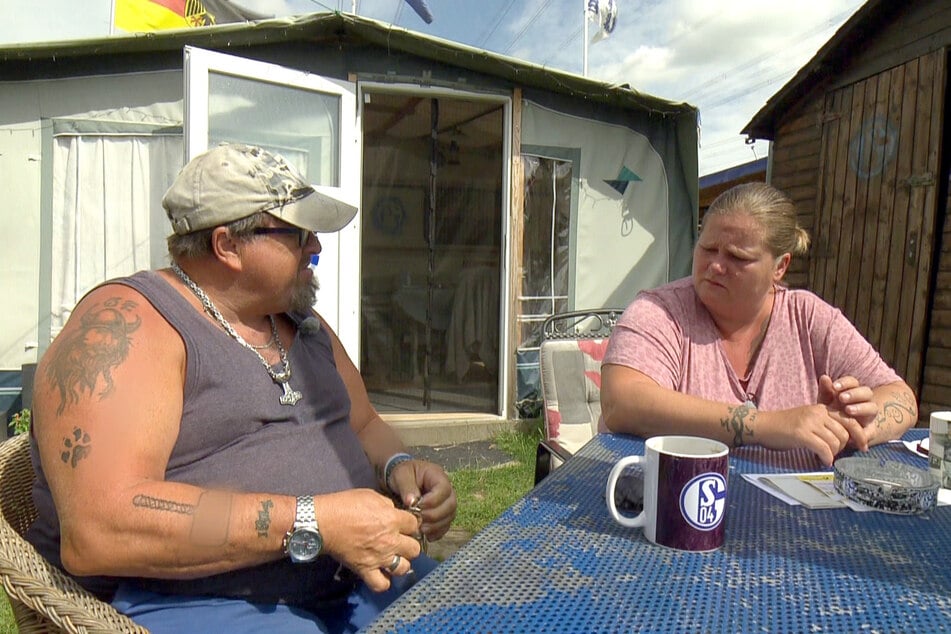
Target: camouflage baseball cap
pixel 233 181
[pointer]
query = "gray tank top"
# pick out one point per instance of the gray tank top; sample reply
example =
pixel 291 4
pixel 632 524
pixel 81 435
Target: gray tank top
pixel 235 434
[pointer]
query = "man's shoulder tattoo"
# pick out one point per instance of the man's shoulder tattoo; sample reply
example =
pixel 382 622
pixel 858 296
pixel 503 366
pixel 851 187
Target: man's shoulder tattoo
pixel 87 355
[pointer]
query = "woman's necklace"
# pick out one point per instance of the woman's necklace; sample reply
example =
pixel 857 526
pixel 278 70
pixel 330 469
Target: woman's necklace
pixel 290 396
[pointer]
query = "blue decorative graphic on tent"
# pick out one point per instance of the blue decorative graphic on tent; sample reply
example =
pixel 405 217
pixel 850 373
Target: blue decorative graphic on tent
pixel 389 216
pixel 624 177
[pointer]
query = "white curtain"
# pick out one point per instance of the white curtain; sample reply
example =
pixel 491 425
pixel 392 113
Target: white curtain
pixel 108 219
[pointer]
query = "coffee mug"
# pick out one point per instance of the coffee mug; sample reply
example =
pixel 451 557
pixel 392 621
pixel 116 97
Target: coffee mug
pixel 684 492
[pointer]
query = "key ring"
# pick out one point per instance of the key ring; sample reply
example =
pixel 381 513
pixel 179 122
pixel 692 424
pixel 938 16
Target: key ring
pixel 415 509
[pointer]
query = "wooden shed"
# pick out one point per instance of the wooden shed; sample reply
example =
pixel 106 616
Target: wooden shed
pixel 859 141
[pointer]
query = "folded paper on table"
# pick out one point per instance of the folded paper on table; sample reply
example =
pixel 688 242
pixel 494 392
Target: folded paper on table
pixel 814 490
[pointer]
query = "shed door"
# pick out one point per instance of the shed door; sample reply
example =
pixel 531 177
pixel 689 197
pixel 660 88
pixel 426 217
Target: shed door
pixel 312 122
pixel 875 223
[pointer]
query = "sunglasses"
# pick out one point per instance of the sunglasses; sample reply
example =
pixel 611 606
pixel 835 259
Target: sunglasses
pixel 303 235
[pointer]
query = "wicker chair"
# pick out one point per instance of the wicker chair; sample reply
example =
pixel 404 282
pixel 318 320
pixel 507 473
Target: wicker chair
pixel 43 598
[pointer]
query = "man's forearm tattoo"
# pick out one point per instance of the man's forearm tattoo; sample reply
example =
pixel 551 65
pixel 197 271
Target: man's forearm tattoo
pixel 86 356
pixel 211 516
pixel 737 422
pixel 894 410
pixel 157 504
pixel 263 523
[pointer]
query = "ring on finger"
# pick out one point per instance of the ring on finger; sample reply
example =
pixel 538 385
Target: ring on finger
pixel 394 564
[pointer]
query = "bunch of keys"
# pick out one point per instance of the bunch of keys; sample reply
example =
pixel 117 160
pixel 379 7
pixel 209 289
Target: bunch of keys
pixel 415 509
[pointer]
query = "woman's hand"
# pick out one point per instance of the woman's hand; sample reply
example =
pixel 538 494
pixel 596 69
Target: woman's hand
pixel 841 418
pixel 818 428
pixel 847 399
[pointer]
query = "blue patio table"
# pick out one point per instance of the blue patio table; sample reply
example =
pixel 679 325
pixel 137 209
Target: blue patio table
pixel 556 562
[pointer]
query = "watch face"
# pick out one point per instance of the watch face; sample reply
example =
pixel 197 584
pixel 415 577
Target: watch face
pixel 304 544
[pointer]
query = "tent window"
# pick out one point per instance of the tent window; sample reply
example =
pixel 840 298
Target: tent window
pixel 545 258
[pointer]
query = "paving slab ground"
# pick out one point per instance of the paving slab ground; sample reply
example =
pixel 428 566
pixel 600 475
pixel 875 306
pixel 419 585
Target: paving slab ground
pixel 452 541
pixel 480 454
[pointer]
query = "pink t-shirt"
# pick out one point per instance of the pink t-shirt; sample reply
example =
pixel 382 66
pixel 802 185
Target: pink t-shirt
pixel 667 334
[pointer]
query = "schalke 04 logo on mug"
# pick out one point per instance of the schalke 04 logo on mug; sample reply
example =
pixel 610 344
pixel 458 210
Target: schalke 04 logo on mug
pixel 703 501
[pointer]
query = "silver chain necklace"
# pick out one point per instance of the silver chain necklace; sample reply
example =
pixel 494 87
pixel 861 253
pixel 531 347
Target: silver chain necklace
pixel 290 396
pixel 264 346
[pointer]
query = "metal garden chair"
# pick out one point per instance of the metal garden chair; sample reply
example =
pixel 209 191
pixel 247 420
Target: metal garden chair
pixel 570 356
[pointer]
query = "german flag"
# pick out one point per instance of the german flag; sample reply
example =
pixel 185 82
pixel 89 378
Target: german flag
pixel 154 15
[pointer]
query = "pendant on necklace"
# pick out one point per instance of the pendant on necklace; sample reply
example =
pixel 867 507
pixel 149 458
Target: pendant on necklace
pixel 290 397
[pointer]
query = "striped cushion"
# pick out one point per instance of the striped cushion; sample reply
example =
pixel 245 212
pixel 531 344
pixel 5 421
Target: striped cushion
pixel 571 389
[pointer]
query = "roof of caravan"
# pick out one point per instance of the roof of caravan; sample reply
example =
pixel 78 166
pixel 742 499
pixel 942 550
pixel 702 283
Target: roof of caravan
pixel 342 29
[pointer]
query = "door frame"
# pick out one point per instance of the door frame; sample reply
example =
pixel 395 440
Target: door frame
pixel 506 366
pixel 339 295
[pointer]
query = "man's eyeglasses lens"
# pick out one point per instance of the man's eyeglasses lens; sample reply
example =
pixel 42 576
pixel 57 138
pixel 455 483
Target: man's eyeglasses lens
pixel 303 235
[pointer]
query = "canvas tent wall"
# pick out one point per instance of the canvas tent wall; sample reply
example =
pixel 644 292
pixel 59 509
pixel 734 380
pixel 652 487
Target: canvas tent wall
pixel 73 111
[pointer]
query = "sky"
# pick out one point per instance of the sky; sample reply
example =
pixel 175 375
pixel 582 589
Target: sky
pixel 727 57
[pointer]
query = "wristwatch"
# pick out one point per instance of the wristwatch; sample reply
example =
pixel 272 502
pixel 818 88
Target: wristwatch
pixel 303 542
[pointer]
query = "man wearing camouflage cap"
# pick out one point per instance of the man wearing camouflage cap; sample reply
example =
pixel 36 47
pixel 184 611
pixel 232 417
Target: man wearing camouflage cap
pixel 208 454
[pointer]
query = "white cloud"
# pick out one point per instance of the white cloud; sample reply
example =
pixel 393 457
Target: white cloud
pixel 273 7
pixel 645 61
pixel 726 57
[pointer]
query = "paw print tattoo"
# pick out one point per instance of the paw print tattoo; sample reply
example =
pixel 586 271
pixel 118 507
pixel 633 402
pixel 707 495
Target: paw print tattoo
pixel 77 447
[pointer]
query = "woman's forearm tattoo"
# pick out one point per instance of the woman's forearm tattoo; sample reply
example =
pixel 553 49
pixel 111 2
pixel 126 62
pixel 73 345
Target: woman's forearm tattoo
pixel 737 422
pixel 86 356
pixel 894 410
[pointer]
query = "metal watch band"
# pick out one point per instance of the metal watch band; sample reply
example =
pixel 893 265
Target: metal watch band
pixel 306 514
pixel 303 542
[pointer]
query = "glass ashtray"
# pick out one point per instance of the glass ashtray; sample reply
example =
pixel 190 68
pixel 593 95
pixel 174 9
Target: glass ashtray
pixel 886 485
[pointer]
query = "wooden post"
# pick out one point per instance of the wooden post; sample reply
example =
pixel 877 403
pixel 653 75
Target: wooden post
pixel 516 230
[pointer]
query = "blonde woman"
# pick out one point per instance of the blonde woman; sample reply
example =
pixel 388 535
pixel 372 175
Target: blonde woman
pixel 732 354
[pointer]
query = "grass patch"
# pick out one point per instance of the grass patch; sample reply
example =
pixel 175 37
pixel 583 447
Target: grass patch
pixel 7 623
pixel 482 494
